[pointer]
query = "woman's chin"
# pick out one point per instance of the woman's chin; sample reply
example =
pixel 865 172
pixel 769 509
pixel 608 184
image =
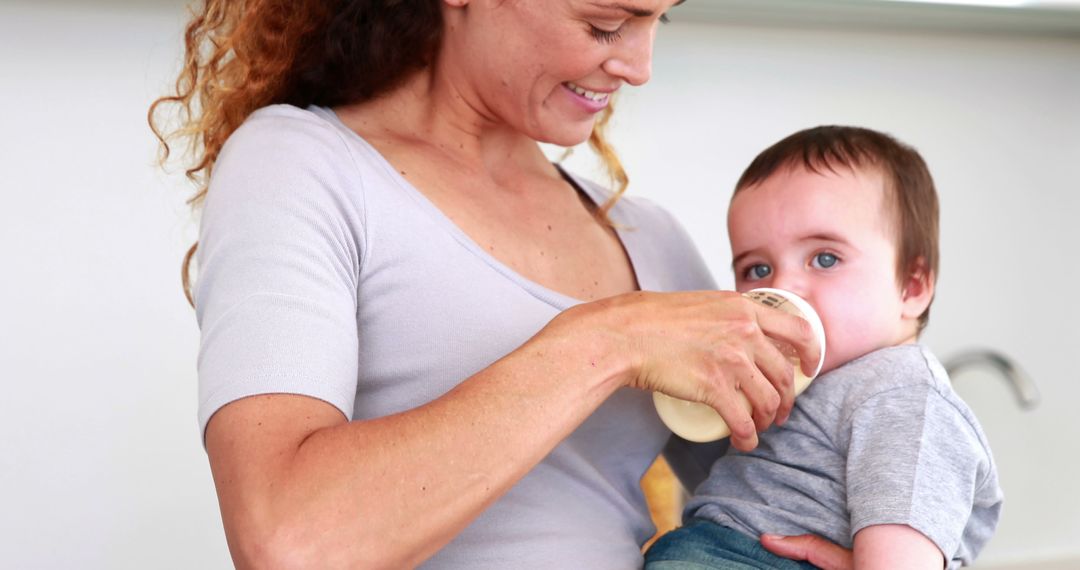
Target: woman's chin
pixel 567 134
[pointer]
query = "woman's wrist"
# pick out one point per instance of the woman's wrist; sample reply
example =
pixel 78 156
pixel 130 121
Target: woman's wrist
pixel 596 353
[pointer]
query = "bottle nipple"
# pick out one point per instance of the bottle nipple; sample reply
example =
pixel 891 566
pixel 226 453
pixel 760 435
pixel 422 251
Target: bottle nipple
pixel 695 421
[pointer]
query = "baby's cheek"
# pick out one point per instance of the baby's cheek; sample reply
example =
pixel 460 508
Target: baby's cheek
pixel 841 335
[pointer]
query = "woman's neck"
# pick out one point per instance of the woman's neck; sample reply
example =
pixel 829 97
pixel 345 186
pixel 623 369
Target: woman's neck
pixel 431 111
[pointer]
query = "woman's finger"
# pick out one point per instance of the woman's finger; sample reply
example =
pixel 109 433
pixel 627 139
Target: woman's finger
pixel 791 330
pixel 732 405
pixel 764 395
pixel 778 380
pixel 811 548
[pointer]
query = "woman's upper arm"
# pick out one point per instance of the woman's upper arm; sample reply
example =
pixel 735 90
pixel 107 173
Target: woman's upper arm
pixel 251 442
pixel 278 262
pixel 276 299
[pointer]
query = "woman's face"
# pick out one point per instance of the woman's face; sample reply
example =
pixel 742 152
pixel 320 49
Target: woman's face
pixel 546 68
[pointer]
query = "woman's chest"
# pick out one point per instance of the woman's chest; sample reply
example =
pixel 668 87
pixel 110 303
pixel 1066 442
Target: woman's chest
pixel 546 232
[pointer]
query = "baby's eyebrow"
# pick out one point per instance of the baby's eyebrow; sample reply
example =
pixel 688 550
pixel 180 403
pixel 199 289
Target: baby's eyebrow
pixel 825 237
pixel 738 258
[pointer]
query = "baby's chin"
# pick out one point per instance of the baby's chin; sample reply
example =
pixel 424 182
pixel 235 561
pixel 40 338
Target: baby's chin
pixel 826 368
pixel 836 359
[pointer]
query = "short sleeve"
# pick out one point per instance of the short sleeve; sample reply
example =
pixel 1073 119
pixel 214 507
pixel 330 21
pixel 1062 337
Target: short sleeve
pixel 915 459
pixel 280 246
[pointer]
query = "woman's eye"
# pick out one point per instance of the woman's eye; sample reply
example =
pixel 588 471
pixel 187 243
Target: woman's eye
pixel 606 36
pixel 759 271
pixel 824 260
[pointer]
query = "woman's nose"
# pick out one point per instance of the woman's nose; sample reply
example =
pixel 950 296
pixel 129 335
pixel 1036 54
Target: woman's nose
pixel 631 59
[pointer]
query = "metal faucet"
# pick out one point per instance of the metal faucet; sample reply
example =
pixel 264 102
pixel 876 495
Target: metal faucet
pixel 1027 394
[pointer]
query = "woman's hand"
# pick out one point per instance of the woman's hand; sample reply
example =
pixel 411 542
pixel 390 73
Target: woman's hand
pixel 705 346
pixel 811 548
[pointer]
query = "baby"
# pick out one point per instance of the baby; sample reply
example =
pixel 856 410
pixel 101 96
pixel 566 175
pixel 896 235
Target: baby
pixel 879 454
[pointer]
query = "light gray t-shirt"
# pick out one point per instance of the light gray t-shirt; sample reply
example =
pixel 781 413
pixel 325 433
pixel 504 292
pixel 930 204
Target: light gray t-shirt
pixel 323 272
pixel 883 439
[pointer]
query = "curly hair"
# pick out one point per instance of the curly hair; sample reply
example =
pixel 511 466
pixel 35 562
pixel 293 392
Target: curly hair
pixel 241 55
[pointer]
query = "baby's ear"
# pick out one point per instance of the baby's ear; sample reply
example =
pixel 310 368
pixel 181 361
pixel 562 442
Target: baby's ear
pixel 917 288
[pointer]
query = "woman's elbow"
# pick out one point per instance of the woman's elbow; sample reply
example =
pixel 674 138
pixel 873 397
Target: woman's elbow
pixel 269 547
pixel 300 546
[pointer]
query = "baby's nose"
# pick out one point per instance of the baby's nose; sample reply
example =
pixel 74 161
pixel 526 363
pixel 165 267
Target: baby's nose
pixel 789 282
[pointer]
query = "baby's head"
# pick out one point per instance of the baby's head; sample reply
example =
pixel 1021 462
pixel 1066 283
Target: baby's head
pixel 846 218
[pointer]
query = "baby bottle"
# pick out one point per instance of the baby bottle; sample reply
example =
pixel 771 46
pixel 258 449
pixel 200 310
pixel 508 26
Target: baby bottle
pixel 694 421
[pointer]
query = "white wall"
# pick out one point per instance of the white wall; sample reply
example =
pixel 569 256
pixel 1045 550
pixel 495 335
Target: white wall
pixel 100 462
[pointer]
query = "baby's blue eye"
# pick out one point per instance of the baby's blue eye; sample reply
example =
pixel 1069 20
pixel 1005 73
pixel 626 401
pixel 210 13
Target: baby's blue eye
pixel 824 260
pixel 759 271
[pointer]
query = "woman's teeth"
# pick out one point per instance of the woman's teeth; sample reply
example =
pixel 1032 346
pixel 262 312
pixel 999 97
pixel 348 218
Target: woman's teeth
pixel 591 95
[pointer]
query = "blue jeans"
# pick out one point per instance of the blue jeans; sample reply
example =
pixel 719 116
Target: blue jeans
pixel 704 544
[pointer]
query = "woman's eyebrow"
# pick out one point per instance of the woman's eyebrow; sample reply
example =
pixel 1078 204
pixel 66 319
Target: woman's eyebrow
pixel 632 10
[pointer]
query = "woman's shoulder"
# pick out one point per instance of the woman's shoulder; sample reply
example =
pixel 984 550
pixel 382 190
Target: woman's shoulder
pixel 286 128
pixel 283 160
pixel 287 147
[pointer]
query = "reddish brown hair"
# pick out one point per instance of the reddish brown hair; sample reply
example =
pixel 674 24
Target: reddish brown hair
pixel 907 182
pixel 241 55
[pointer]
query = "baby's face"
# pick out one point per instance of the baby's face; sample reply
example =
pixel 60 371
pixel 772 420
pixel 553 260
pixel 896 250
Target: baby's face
pixel 827 238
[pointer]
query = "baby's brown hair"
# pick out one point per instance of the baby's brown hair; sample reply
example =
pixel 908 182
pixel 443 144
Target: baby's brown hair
pixel 907 182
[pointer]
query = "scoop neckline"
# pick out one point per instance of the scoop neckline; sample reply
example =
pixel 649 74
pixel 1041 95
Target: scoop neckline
pixel 550 296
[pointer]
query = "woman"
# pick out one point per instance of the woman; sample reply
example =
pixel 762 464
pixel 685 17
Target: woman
pixel 421 341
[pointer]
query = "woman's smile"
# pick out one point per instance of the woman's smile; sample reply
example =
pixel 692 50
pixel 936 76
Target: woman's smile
pixel 592 101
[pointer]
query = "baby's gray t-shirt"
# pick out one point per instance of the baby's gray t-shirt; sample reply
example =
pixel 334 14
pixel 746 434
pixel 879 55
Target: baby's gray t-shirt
pixel 883 439
pixel 323 272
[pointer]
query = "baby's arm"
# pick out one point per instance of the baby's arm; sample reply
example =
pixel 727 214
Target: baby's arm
pixel 916 457
pixel 895 546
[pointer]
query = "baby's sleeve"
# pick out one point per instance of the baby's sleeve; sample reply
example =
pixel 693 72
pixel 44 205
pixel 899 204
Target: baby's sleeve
pixel 278 262
pixel 915 459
